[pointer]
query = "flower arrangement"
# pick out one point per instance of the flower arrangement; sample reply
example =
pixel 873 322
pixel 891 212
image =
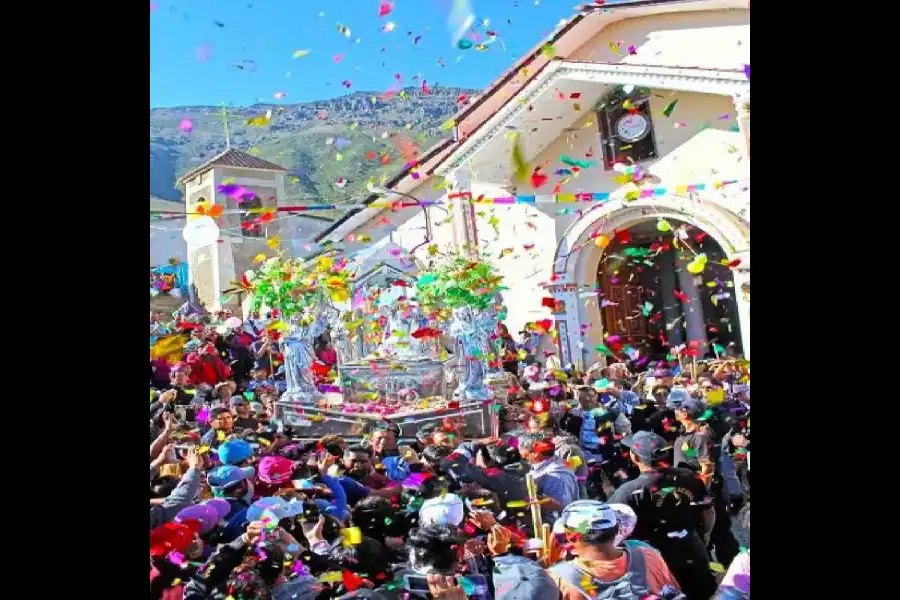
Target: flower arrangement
pixel 458 280
pixel 293 285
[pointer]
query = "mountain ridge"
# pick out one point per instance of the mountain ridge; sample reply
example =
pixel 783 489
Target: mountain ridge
pixel 351 137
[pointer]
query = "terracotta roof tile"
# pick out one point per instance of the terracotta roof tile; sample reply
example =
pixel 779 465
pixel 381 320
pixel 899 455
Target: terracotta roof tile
pixel 232 158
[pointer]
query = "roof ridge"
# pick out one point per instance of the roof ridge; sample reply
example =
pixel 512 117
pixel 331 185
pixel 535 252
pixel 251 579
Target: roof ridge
pixel 240 159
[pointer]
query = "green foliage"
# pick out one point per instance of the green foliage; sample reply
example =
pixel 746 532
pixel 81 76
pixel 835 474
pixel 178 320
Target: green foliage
pixel 459 280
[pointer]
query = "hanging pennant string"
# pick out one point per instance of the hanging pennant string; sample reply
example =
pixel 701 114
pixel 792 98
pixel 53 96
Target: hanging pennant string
pixel 627 196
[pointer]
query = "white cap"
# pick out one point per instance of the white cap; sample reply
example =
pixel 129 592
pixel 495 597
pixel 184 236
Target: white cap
pixel 446 510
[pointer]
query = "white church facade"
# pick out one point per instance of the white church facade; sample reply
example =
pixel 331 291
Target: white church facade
pixel 634 122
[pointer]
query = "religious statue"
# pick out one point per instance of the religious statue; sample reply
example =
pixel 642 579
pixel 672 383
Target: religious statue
pixel 472 329
pixel 397 341
pixel 296 346
pixel 340 338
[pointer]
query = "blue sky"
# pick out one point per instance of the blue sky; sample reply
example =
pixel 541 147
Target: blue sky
pixel 195 46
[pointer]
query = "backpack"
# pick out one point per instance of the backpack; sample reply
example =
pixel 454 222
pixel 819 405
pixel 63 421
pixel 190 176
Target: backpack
pixel 631 586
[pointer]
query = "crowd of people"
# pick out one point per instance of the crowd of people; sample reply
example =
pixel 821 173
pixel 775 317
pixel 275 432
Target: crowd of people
pixel 638 475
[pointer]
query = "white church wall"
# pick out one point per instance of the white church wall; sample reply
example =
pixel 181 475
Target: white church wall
pixel 714 39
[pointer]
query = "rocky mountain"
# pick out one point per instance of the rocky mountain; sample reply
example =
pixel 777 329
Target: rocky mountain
pixel 352 137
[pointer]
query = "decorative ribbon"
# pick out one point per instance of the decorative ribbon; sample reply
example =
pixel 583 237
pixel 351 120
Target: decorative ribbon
pixel 630 195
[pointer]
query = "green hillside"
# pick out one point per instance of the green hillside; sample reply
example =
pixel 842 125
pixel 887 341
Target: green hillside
pixel 318 142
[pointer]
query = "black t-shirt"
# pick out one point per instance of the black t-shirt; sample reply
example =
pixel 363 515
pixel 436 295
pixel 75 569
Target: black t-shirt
pixel 640 416
pixel 669 500
pixel 664 424
pixel 183 395
pixel 695 447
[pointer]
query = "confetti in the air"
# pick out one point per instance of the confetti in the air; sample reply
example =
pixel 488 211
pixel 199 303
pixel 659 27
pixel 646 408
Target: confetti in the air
pixel 204 52
pixel 460 20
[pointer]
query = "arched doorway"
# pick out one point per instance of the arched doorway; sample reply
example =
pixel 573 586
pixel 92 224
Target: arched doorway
pixel 649 301
pixel 578 256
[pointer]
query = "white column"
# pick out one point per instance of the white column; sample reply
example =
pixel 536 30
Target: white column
pixel 460 197
pixel 568 323
pixel 742 276
pixel 742 110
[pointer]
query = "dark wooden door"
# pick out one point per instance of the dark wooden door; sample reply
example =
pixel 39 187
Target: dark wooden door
pixel 624 318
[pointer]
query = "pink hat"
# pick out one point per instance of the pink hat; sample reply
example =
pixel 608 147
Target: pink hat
pixel 275 469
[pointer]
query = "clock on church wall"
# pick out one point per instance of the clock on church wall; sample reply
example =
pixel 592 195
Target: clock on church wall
pixel 626 127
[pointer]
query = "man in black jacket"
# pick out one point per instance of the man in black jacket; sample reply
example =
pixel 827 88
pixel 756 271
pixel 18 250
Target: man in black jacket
pixel 674 513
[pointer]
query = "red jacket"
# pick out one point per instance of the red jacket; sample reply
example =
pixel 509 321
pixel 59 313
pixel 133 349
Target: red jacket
pixel 208 369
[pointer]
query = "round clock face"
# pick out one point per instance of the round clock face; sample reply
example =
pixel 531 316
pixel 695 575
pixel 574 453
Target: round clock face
pixel 632 127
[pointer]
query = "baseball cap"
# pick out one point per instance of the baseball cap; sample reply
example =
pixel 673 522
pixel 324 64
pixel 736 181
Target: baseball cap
pixel 208 513
pixel 275 469
pixel 225 476
pixel 444 510
pixel 646 445
pixel 601 384
pixel 693 407
pixel 274 508
pixel 676 397
pixel 518 578
pixel 234 451
pixel 586 516
pixel 215 412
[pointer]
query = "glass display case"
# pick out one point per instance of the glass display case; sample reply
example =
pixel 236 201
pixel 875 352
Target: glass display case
pixel 312 422
pixel 394 383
